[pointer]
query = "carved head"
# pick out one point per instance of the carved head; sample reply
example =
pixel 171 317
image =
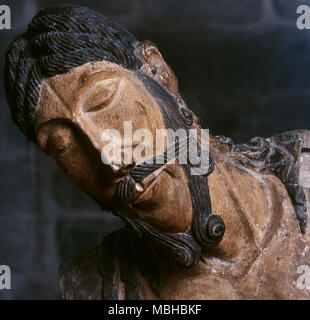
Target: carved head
pixel 75 73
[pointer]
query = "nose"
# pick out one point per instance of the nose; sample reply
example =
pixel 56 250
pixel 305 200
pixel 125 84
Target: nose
pixel 93 135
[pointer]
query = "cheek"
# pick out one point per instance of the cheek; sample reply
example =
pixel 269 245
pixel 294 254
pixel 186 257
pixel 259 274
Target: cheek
pixel 166 205
pixel 74 163
pixel 86 171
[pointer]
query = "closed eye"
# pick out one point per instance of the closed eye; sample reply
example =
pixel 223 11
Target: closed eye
pixel 100 97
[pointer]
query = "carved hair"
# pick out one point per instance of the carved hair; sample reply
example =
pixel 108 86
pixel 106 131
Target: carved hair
pixel 57 40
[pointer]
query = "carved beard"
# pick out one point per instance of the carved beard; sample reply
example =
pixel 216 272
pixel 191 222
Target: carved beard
pixel 206 229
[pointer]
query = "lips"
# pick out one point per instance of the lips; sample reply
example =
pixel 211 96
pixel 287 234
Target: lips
pixel 145 185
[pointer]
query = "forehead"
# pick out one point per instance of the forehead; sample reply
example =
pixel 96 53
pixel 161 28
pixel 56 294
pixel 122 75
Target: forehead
pixel 58 94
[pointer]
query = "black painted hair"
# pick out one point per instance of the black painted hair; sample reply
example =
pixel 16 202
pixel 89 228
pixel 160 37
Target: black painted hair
pixel 57 40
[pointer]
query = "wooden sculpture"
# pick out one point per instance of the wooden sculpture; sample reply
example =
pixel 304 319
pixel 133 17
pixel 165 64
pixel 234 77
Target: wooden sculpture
pixel 75 73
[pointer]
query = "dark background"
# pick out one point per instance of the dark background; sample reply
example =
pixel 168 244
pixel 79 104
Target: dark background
pixel 243 67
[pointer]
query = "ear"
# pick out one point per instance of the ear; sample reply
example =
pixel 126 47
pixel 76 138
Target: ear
pixel 155 67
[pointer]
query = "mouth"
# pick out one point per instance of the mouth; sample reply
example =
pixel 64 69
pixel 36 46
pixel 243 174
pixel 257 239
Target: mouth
pixel 145 185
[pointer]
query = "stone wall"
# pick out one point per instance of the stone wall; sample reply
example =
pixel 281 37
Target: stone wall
pixel 242 67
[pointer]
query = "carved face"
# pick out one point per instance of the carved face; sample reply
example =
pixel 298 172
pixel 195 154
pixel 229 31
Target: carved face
pixel 75 108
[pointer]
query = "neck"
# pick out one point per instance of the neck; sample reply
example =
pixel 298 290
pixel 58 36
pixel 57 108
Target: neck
pixel 250 205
